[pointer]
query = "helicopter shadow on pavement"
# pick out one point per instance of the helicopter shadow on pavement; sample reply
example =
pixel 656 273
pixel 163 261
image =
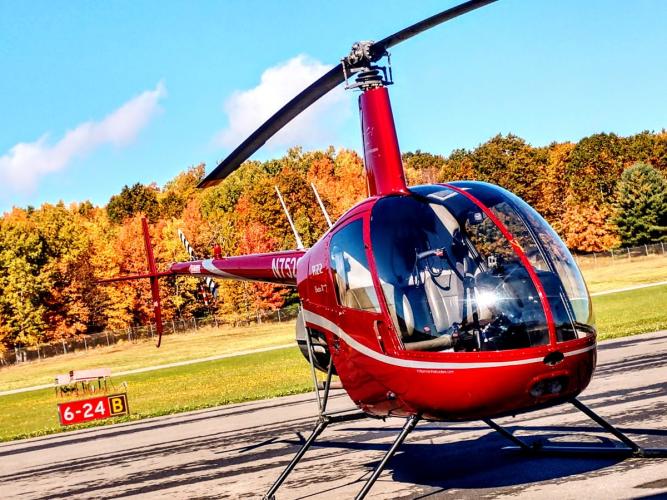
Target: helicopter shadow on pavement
pixel 483 463
pixel 472 463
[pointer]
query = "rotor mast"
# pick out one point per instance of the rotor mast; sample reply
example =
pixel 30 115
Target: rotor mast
pixel 382 156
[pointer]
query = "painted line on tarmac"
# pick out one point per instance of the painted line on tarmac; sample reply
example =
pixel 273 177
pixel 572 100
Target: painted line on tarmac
pixel 628 289
pixel 161 367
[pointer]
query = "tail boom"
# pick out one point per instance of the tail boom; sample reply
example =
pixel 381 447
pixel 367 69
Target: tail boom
pixel 275 267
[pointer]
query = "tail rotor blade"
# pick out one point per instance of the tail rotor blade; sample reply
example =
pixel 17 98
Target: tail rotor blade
pixel 186 244
pixel 210 282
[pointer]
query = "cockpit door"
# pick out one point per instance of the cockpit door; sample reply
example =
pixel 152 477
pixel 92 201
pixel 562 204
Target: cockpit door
pixel 358 306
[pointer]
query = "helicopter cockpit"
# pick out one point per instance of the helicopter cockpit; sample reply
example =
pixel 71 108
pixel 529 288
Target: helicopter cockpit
pixel 475 268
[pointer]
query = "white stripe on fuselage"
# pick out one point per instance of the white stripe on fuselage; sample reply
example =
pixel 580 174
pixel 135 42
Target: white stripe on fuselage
pixel 323 322
pixel 208 265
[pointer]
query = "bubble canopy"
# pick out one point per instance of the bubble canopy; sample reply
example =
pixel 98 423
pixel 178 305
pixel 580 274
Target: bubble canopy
pixel 469 266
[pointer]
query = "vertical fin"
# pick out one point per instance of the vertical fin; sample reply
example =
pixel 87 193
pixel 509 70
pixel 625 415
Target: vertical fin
pixel 319 200
pixel 299 243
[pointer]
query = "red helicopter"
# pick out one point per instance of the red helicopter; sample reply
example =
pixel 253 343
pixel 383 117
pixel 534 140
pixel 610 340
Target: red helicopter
pixel 441 302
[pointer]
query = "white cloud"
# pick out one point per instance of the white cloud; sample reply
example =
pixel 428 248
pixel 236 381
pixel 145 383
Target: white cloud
pixel 25 163
pixel 317 126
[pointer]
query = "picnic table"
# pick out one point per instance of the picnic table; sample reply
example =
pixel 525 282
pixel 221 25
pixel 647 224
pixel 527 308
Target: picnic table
pixel 84 380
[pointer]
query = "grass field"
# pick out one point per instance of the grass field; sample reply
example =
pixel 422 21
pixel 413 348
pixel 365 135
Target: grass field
pixel 632 312
pixel 124 356
pixel 623 272
pixel 268 374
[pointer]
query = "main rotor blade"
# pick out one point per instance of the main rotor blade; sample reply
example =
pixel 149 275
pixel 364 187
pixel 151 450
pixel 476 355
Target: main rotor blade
pixel 287 113
pixel 421 26
pixel 334 77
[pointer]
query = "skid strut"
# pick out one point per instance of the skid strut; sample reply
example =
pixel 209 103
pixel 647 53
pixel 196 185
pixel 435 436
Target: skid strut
pixel 631 449
pixel 322 424
pixel 325 418
pixel 410 424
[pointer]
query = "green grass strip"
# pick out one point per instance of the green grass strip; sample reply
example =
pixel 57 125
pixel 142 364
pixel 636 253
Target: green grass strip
pixel 172 390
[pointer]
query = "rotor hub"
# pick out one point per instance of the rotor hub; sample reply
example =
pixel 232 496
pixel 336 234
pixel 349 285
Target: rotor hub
pixel 359 62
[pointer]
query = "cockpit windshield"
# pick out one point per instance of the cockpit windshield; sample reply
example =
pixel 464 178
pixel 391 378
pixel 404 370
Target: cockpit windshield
pixel 452 280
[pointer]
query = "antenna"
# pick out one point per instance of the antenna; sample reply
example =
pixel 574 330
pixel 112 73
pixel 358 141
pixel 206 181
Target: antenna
pixel 319 200
pixel 299 243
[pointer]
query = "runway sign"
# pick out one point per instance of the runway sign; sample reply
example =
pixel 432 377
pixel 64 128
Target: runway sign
pixel 85 410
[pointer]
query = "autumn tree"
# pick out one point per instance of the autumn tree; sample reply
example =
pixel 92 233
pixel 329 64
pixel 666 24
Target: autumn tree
pixel 179 191
pixel 588 227
pixel 554 185
pixel 595 166
pixel 458 166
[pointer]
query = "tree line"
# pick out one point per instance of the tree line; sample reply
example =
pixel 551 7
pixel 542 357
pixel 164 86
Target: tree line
pixel 602 192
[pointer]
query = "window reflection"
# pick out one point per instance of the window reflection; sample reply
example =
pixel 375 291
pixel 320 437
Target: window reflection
pixel 451 279
pixel 352 278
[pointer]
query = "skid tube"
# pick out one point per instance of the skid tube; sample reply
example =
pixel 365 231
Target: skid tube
pixel 630 450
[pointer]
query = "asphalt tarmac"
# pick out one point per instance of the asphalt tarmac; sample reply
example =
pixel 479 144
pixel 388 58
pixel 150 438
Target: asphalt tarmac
pixel 238 451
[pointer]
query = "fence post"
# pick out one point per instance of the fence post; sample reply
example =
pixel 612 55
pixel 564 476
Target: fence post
pixel 64 347
pixel 173 326
pixel 662 244
pixel 38 356
pixel 194 320
pixel 107 335
pixel 85 344
pixel 629 258
pixel 150 325
pixel 215 320
pixel 646 248
pixel 612 254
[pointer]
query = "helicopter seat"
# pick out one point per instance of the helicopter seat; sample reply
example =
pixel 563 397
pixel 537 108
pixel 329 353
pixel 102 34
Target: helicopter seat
pixel 443 294
pixel 406 325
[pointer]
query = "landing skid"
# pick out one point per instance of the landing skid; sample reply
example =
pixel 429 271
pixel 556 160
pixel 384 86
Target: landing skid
pixel 325 418
pixel 630 450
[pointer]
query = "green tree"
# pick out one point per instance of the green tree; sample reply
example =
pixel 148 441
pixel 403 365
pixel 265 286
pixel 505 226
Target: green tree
pixel 22 255
pixel 421 167
pixel 511 163
pixel 595 166
pixel 134 200
pixel 641 204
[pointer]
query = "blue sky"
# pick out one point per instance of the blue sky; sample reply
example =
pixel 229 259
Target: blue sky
pixel 96 95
